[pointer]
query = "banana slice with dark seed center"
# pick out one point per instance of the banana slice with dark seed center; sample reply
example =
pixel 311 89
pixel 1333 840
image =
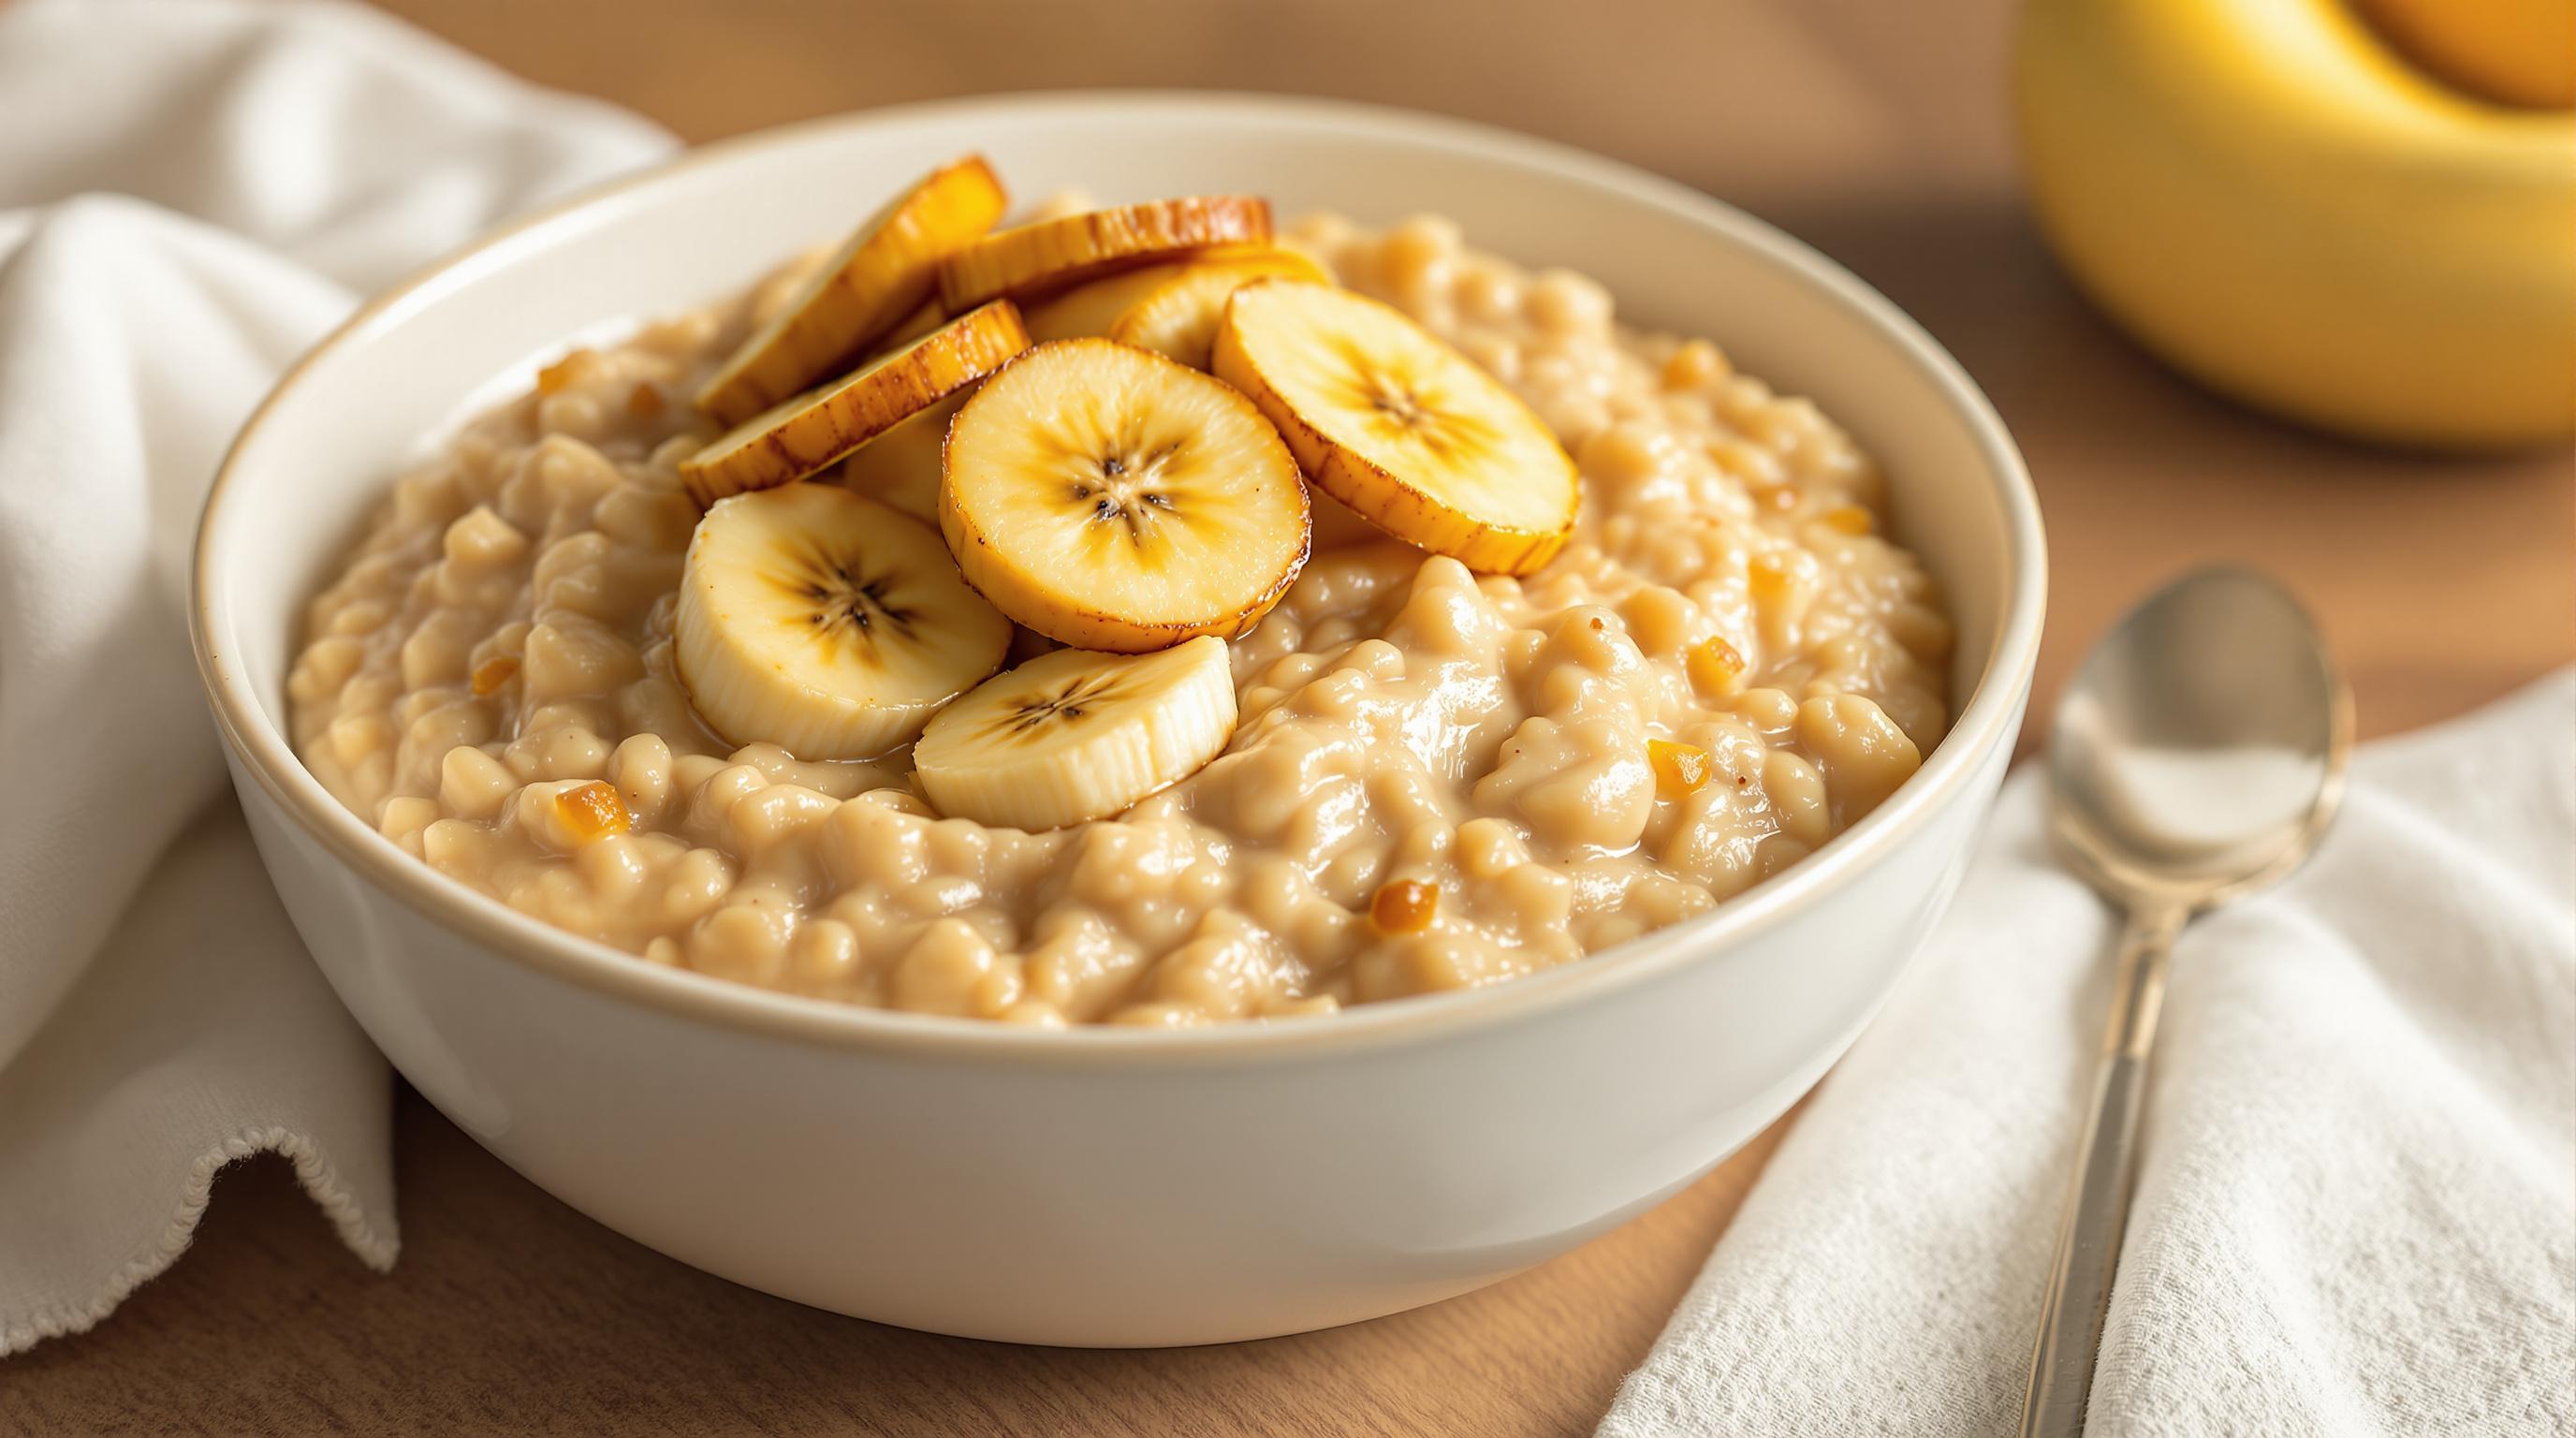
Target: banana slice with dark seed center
pixel 1073 736
pixel 825 623
pixel 1112 499
pixel 1403 429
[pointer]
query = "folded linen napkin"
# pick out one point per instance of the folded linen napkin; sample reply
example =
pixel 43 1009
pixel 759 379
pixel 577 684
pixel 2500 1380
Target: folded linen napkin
pixel 2356 1199
pixel 190 194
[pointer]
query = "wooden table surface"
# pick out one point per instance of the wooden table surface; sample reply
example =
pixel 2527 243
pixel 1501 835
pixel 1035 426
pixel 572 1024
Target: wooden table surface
pixel 1875 131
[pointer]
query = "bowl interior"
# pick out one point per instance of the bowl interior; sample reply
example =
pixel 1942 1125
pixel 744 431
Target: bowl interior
pixel 315 464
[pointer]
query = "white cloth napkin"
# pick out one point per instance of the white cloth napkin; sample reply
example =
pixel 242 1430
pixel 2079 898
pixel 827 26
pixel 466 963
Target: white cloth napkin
pixel 190 194
pixel 2356 1201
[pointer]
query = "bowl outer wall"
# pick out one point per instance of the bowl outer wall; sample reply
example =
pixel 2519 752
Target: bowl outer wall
pixel 1128 1188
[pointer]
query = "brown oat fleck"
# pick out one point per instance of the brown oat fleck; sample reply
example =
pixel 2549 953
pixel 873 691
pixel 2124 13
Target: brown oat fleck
pixel 564 373
pixel 1717 666
pixel 1680 769
pixel 492 673
pixel 1404 906
pixel 593 810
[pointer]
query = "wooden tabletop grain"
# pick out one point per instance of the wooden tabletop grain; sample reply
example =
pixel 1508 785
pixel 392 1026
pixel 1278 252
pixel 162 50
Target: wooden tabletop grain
pixel 1877 132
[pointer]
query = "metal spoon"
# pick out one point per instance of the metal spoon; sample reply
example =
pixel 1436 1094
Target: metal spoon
pixel 2198 754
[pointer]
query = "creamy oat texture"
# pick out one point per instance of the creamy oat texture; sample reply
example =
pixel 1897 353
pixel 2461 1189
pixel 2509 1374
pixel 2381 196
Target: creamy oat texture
pixel 502 635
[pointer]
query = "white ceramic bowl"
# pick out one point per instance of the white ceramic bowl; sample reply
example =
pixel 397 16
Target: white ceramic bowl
pixel 1112 1187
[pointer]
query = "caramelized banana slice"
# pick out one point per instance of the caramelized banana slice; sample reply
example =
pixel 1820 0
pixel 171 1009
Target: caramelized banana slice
pixel 1392 422
pixel 1178 318
pixel 801 436
pixel 1038 259
pixel 882 274
pixel 1111 499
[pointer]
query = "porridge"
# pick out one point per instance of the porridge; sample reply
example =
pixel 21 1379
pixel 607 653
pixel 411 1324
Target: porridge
pixel 1248 754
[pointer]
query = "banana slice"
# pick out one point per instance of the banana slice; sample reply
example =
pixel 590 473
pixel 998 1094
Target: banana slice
pixel 1087 311
pixel 1074 736
pixel 804 435
pixel 1112 499
pixel 826 624
pixel 1408 432
pixel 880 276
pixel 1090 309
pixel 901 466
pixel 929 315
pixel 1051 255
pixel 1178 318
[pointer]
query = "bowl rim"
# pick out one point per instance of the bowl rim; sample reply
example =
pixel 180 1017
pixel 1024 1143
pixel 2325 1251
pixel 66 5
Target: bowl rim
pixel 1989 720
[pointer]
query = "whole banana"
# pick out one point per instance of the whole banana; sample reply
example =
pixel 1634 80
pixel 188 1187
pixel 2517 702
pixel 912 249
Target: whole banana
pixel 2267 195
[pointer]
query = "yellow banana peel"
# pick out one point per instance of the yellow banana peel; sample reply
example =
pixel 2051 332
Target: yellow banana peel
pixel 2268 196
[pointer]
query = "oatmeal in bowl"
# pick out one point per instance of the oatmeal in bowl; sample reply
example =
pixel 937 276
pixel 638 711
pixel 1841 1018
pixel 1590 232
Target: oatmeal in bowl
pixel 1233 751
pixel 1131 616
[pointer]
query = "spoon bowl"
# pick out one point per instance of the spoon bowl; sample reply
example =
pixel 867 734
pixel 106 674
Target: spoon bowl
pixel 2197 751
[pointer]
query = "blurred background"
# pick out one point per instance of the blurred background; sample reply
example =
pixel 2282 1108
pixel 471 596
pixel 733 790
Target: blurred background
pixel 1881 133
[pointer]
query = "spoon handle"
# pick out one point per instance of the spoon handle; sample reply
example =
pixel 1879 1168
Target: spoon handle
pixel 2097 1204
